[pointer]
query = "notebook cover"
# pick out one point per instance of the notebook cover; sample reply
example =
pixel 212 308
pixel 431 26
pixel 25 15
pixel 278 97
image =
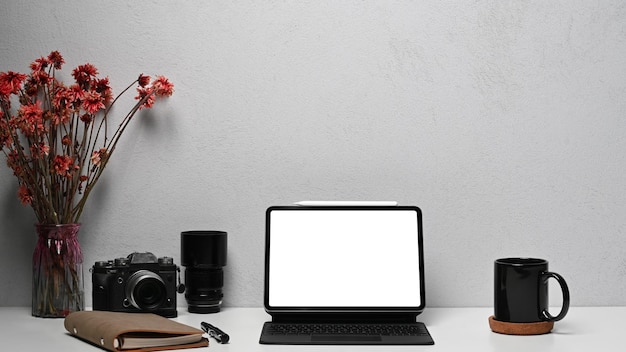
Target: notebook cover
pixel 102 328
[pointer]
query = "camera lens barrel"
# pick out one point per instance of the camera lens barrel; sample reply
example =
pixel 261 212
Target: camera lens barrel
pixel 203 249
pixel 145 290
pixel 204 289
pixel 203 254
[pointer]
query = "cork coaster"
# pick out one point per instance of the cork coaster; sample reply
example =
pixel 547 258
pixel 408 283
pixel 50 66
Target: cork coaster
pixel 501 327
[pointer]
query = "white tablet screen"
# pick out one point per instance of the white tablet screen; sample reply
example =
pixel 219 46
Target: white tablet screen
pixel 344 258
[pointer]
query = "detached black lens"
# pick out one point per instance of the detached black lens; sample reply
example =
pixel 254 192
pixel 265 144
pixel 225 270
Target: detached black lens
pixel 203 254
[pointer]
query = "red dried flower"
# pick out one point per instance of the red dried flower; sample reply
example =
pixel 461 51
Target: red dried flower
pixel 39 64
pixel 31 87
pixel 84 73
pixel 62 164
pixel 39 150
pixel 13 160
pixel 41 78
pixel 11 82
pixel 24 194
pixel 60 99
pixel 101 86
pixel 75 95
pixel 30 119
pixel 86 118
pixel 98 156
pixel 143 80
pixel 162 87
pixel 61 116
pixel 93 102
pixel 56 59
pixel 147 94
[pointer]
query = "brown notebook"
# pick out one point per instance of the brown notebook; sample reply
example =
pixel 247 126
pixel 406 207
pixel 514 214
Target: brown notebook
pixel 131 332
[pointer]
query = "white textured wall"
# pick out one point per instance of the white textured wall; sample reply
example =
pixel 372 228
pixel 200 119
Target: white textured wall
pixel 505 121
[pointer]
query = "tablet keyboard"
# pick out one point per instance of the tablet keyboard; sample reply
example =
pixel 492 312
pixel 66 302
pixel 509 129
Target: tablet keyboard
pixel 349 329
pixel 345 334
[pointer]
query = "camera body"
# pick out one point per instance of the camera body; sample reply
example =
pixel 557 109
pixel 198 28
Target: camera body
pixel 140 282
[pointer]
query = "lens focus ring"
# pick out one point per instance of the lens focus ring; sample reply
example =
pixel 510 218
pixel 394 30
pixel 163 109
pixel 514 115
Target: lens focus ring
pixel 204 289
pixel 146 290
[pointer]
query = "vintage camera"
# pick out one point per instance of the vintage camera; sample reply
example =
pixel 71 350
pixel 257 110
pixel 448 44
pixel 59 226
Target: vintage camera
pixel 140 282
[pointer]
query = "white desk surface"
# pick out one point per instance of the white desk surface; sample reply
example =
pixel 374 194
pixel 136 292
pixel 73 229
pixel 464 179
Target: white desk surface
pixel 453 329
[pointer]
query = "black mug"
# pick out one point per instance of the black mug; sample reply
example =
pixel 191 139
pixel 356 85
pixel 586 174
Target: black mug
pixel 521 291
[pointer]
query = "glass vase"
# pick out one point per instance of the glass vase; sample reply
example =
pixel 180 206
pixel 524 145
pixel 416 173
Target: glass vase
pixel 57 271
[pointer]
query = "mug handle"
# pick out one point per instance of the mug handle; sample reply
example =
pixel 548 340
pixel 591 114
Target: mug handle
pixel 564 289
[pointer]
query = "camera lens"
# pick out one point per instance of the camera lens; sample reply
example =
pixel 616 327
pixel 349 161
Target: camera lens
pixel 146 290
pixel 204 289
pixel 203 253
